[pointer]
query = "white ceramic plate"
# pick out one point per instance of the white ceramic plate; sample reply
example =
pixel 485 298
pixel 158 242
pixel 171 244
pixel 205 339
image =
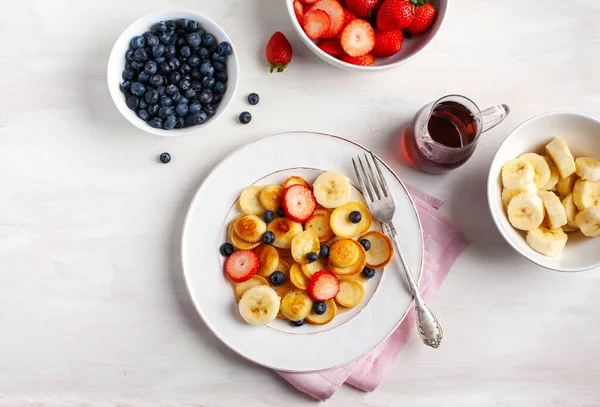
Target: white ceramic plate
pixel 278 345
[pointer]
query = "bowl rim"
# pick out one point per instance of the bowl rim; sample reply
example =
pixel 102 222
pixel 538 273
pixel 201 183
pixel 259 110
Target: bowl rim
pixel 232 85
pixel 492 179
pixel 345 65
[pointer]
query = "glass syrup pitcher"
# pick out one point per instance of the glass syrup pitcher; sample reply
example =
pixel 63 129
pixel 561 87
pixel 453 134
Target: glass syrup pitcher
pixel 443 135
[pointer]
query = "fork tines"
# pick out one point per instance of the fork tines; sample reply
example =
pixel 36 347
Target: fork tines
pixel 373 184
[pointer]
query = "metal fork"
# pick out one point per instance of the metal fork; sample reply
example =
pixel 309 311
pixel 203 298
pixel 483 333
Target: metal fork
pixel 381 204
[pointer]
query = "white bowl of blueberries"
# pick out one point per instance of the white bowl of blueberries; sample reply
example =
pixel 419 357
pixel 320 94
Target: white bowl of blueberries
pixel 173 72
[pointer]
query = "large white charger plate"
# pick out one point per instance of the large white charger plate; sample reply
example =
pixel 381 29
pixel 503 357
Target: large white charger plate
pixel 278 345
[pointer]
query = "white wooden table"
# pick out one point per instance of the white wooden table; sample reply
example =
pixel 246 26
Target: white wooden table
pixel 93 310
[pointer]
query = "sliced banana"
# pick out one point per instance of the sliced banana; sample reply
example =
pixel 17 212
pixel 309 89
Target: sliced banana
pixel 259 305
pixel 549 242
pixel 508 194
pixel 351 293
pixel 332 189
pixel 571 212
pixel 554 176
pixel 249 201
pixel 271 197
pixel 517 174
pixel 319 223
pixel 254 281
pixel 559 153
pixel 587 168
pixel 285 230
pixel 330 313
pixel 311 268
pixel 304 243
pixel 588 221
pixel 565 186
pixel 238 241
pixel 569 229
pixel 268 259
pixel 297 277
pixel 344 253
pixel 526 211
pixel 250 228
pixel 296 305
pixel 586 194
pixel 294 180
pixel 541 169
pixel 340 220
pixel 556 215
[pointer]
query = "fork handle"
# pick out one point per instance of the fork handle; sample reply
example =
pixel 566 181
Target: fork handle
pixel 430 329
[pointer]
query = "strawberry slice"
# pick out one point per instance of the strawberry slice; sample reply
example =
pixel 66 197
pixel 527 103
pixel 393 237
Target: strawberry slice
pixel 308 2
pixel 331 46
pixel 299 10
pixel 323 286
pixel 299 203
pixel 335 11
pixel 364 60
pixel 358 38
pixel 241 265
pixel 348 16
pixel 316 24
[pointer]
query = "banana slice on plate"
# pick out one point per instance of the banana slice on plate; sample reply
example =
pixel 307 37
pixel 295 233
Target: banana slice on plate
pixel 565 186
pixel 268 259
pixel 332 189
pixel 586 194
pixel 559 153
pixel 285 230
pixel 311 268
pixel 556 215
pixel 271 197
pixel 541 169
pixel 353 269
pixel 238 241
pixel 588 221
pixel 571 212
pixel 294 180
pixel 508 194
pixel 549 242
pixel 297 277
pixel 255 281
pixel 325 318
pixel 296 305
pixel 341 224
pixel 351 293
pixel 304 243
pixel 554 176
pixel 249 201
pixel 526 211
pixel 344 253
pixel 587 168
pixel 250 228
pixel 517 174
pixel 319 223
pixel 259 305
pixel 381 252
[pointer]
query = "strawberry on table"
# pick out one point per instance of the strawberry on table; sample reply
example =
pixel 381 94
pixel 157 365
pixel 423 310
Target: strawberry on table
pixel 387 43
pixel 298 203
pixel 278 52
pixel 364 9
pixel 364 60
pixel 424 16
pixel 331 46
pixel 316 24
pixel 358 38
pixel 335 11
pixel 241 265
pixel 323 286
pixel 395 15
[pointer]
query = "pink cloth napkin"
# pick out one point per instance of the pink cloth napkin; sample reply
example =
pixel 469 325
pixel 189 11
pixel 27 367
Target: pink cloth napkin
pixel 443 245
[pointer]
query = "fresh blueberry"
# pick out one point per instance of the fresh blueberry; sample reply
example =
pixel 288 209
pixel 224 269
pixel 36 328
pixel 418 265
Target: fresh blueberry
pixel 181 110
pixel 195 108
pixel 151 67
pixel 222 77
pixel 180 123
pixel 133 102
pixel 186 68
pixel 268 237
pixel 184 84
pixel 160 60
pixel 184 23
pixel 164 68
pixel 183 100
pixel 195 74
pixel 219 88
pixel 144 78
pixel 196 118
pixel 268 216
pixel 153 109
pixel 152 40
pixel 355 217
pixel 143 104
pixel 277 278
pixel 165 112
pixel 158 50
pixel 175 64
pixel 180 41
pixel 137 66
pixel 208 83
pixel 312 257
pixel 217 99
pixel 170 51
pixel 368 272
pixel 245 118
pixel 194 39
pixel 209 110
pixel 297 323
pixel 147 35
pixel 171 89
pixel 203 53
pixel 165 38
pixel 324 251
pixel 226 249
pixel 138 42
pixel 196 85
pixel 143 114
pixel 185 51
pixel 224 48
pixel 138 89
pixel 202 117
pixel 151 96
pixel 164 158
pixel 366 244
pixel 124 86
pixel 280 212
pixel 193 25
pixel 156 80
pixel 171 24
pixel 156 123
pixel 128 75
pixel 218 58
pixel 253 99
pixel 207 69
pixel 140 55
pixel 319 307
pixel 190 93
pixel 219 67
pixel 176 97
pixel 165 101
pixel 160 27
pixel 194 61
pixel 208 40
pixel 175 77
pixel 170 123
pixel 129 55
pixel 206 98
pixel 161 90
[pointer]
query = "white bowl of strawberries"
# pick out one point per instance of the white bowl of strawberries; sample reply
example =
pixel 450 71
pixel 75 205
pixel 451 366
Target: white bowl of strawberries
pixel 367 35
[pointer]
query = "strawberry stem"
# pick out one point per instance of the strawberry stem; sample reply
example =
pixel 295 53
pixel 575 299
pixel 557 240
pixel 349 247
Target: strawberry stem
pixel 279 67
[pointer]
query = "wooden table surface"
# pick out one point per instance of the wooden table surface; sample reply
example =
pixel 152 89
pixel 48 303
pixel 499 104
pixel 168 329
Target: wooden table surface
pixel 93 308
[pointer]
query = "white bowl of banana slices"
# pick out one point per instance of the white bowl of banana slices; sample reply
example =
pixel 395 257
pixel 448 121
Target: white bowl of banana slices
pixel 544 191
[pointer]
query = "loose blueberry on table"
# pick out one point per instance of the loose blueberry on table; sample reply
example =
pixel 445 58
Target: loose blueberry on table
pixel 245 117
pixel 165 158
pixel 172 67
pixel 253 99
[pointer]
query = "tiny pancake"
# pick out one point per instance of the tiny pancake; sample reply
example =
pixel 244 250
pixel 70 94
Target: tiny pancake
pixel 250 228
pixel 355 268
pixel 360 277
pixel 268 259
pixel 297 277
pixel 270 197
pixel 311 268
pixel 285 254
pixel 351 293
pixel 296 305
pixel 249 201
pixel 319 223
pixel 255 280
pixel 381 252
pixel 340 220
pixel 344 253
pixel 295 180
pixel 238 241
pixel 304 243
pixel 285 231
pixel 281 291
pixel 325 318
pixel 284 267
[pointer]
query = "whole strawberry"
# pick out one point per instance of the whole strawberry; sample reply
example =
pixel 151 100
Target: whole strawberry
pixel 387 43
pixel 395 15
pixel 364 9
pixel 278 52
pixel 424 16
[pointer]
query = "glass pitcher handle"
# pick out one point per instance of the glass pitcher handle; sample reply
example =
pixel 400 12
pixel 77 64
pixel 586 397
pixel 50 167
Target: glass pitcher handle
pixel 493 116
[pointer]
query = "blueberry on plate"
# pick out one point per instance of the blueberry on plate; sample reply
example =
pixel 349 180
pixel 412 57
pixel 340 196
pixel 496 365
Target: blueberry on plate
pixel 203 53
pixel 171 90
pixel 175 77
pixel 355 217
pixel 185 51
pixel 143 114
pixel 194 39
pixel 245 118
pixel 152 40
pixel 175 64
pixel 297 323
pixel 280 212
pixel 161 90
pixel 268 215
pixel 170 122
pixel 181 110
pixel 165 112
pixel 195 108
pixel 165 101
pixel 165 38
pixel 137 66
pixel 206 98
pixel 268 237
pixel 124 86
pixel 312 257
pixel 143 104
pixel 158 50
pixel 156 80
pixel 164 68
pixel 319 307
pixel 151 67
pixel 196 85
pixel 140 55
pixel 156 122
pixel 184 84
pixel 133 102
pixel 152 96
pixel 208 40
pixel 219 67
pixel 128 75
pixel 170 51
pixel 193 26
pixel 190 93
pixel 180 123
pixel 160 27
pixel 224 48
pixel 277 278
pixel 366 244
pixel 171 24
pixel 253 99
pixel 210 112
pixel 138 89
pixel 222 77
pixel 153 109
pixel 138 42
pixel 217 99
pixel 186 68
pixel 183 23
pixel 208 82
pixel 129 55
pixel 218 57
pixel 206 69
pixel 219 88
pixel 165 157
pixel 324 251
pixel 194 61
pixel 368 272
pixel 143 77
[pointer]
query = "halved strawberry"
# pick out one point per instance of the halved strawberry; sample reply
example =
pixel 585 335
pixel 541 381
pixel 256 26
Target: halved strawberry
pixel 241 265
pixel 364 60
pixel 331 46
pixel 316 24
pixel 323 286
pixel 335 11
pixel 299 10
pixel 298 203
pixel 387 43
pixel 358 38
